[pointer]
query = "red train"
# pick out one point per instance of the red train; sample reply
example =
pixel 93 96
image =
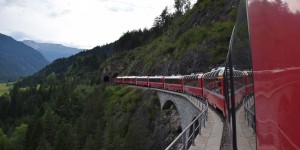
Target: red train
pixel 209 86
pixel 193 84
pixel 263 59
pixel 157 82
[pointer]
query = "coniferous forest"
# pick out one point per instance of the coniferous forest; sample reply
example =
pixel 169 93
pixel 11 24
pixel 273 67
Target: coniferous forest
pixel 73 102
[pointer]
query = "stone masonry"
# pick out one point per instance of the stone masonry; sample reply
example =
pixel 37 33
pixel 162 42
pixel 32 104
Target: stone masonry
pixel 187 111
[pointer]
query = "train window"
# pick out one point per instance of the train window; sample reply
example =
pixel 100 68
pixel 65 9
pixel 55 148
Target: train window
pixel 143 79
pixel 172 81
pixel 191 81
pixel 236 93
pixel 154 80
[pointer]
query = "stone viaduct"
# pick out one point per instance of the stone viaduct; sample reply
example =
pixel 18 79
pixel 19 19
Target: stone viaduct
pixel 187 106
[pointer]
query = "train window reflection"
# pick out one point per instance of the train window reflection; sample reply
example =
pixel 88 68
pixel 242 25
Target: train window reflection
pixel 239 84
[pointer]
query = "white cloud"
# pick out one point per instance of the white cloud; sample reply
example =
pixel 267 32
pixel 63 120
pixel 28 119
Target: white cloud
pixel 86 23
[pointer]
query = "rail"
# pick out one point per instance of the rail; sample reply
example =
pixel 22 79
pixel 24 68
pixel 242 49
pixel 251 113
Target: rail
pixel 187 137
pixel 249 111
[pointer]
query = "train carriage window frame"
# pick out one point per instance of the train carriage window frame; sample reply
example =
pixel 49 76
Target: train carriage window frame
pixel 238 60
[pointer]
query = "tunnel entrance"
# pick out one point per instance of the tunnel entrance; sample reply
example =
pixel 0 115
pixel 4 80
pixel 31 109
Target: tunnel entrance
pixel 106 79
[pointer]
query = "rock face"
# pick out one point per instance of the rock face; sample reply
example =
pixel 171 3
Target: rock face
pixel 197 44
pixel 166 128
pixel 164 125
pixel 190 62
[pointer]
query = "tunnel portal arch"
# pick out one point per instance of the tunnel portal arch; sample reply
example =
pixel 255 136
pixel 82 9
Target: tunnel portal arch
pixel 106 79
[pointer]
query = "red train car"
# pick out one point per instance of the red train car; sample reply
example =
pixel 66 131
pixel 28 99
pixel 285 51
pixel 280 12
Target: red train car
pixel 174 83
pixel 119 80
pixel 129 80
pixel 142 81
pixel 192 84
pixel 276 63
pixel 125 80
pixel 266 63
pixel 156 81
pixel 239 86
pixel 248 82
pixel 132 80
pixel 265 41
pixel 213 89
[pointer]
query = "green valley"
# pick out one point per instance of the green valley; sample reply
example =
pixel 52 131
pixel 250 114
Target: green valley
pixel 69 105
pixel 5 87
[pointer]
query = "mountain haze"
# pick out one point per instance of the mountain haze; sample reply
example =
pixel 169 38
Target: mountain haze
pixel 17 59
pixel 52 51
pixel 69 105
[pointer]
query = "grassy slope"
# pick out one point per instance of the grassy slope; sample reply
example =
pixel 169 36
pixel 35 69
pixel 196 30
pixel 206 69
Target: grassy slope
pixel 68 96
pixel 4 88
pixel 194 42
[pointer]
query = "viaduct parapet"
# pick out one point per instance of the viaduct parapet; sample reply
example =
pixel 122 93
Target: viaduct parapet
pixel 187 110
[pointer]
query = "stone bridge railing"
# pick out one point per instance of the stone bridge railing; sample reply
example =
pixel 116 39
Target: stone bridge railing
pixel 193 114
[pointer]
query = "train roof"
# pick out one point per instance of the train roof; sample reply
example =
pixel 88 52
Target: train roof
pixel 156 77
pixel 142 77
pixel 238 73
pixel 193 76
pixel 248 72
pixel 174 77
pixel 215 73
pixel 129 76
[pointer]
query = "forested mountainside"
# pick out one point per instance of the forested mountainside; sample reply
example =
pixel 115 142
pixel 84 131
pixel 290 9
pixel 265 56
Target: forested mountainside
pixel 18 60
pixel 52 51
pixel 67 105
pixel 194 42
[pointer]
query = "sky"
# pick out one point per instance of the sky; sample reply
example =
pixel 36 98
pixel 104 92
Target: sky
pixel 77 23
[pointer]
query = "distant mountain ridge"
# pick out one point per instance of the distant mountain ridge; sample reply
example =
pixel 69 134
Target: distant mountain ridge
pixel 79 109
pixel 52 51
pixel 17 59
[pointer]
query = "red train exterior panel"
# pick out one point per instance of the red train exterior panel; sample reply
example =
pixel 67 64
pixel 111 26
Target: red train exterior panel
pixel 197 91
pixel 216 100
pixel 174 83
pixel 239 95
pixel 132 80
pixel 248 82
pixel 142 81
pixel 192 84
pixel 174 87
pixel 275 41
pixel 119 80
pixel 156 82
pixel 239 86
pixel 213 89
pixel 274 27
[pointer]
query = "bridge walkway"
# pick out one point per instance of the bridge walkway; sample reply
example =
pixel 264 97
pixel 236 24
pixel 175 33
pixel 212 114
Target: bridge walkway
pixel 211 135
pixel 246 138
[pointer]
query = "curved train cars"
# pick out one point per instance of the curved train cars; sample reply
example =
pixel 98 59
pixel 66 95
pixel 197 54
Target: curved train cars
pixel 263 61
pixel 209 86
